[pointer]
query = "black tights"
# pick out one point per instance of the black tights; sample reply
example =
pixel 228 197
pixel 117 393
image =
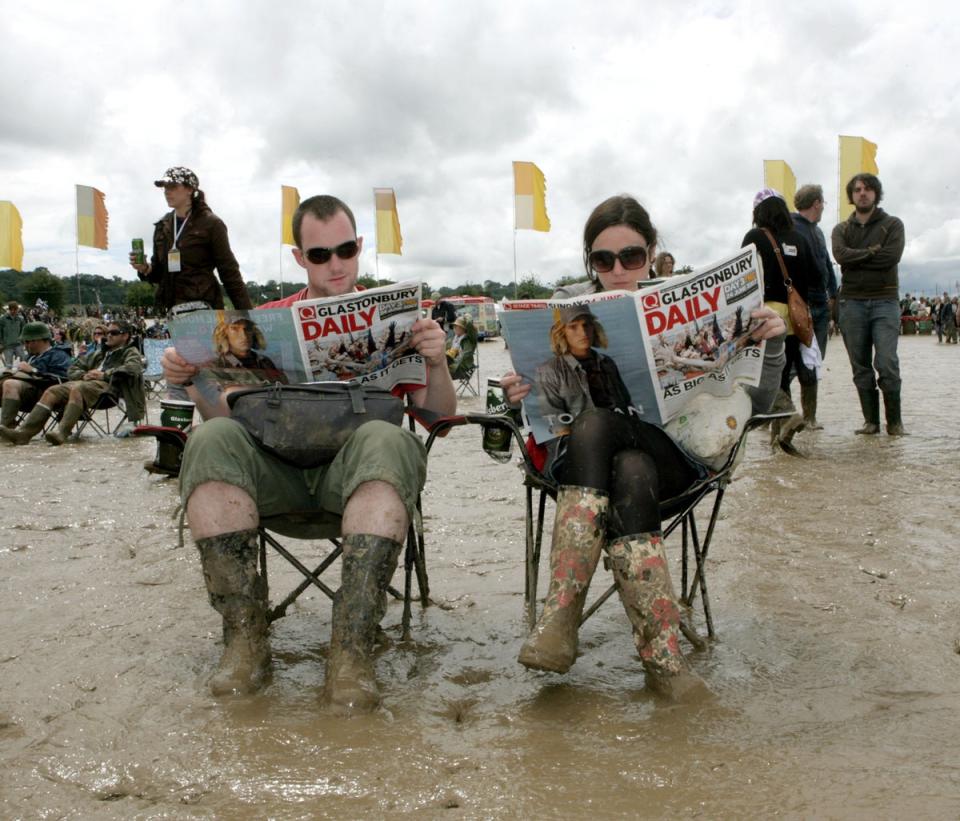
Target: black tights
pixel 633 461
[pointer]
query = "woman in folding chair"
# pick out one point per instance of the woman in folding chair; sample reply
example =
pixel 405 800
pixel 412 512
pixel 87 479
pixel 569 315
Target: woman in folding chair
pixel 613 470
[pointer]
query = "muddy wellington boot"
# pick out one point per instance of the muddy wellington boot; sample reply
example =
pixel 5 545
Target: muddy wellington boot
pixel 870 405
pixel 30 427
pixel 808 402
pixel 578 532
pixel 71 415
pixel 358 606
pixel 642 577
pixel 781 403
pixel 891 409
pixel 239 594
pixel 8 412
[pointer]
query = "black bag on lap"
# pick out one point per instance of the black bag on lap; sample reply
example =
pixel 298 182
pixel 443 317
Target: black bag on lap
pixel 306 425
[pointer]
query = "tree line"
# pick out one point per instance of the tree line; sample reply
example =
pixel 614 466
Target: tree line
pixel 65 295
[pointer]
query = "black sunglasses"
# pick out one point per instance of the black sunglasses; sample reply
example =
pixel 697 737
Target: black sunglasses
pixel 114 333
pixel 345 250
pixel 631 258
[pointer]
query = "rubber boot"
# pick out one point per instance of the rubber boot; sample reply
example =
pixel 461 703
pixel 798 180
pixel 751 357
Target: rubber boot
pixel 808 402
pixel 30 427
pixel 578 532
pixel 891 408
pixel 782 402
pixel 9 409
pixel 870 405
pixel 239 594
pixel 71 415
pixel 642 577
pixel 358 606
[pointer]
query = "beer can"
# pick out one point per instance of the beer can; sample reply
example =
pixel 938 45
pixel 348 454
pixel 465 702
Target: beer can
pixel 140 256
pixel 497 442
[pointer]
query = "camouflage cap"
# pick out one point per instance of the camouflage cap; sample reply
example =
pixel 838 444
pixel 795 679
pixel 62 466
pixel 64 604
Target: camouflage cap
pixel 35 330
pixel 178 175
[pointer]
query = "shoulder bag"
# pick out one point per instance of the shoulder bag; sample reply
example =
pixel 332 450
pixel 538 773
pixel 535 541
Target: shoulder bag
pixel 798 310
pixel 306 425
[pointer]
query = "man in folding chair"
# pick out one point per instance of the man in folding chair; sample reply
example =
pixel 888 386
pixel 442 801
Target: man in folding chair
pixel 45 365
pixel 227 483
pixel 115 369
pixel 613 470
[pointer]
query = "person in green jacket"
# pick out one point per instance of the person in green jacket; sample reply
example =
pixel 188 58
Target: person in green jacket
pixel 116 369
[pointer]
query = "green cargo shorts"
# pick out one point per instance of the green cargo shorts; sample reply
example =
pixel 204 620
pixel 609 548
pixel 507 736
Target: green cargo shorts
pixel 220 450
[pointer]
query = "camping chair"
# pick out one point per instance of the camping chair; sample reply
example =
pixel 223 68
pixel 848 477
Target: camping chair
pixel 312 526
pixel 467 373
pixel 112 400
pixel 153 372
pixel 677 512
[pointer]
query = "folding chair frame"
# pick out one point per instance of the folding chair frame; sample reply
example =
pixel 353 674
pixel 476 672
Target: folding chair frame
pixel 414 563
pixel 680 511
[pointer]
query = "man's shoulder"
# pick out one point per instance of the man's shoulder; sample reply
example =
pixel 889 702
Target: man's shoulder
pixel 299 296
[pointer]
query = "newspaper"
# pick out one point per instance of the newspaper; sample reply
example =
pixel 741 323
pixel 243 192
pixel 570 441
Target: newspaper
pixel 364 336
pixel 650 352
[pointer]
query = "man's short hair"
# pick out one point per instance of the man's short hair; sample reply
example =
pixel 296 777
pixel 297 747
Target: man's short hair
pixel 869 181
pixel 806 196
pixel 324 207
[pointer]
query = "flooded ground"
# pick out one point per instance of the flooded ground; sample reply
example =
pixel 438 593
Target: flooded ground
pixel 835 671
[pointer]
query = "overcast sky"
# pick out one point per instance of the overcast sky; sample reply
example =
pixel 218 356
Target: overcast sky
pixel 677 103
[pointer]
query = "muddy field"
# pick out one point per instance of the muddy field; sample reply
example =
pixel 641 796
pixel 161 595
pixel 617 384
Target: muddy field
pixel 835 671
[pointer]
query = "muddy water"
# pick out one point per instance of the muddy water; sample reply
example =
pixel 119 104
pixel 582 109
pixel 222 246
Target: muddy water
pixel 835 672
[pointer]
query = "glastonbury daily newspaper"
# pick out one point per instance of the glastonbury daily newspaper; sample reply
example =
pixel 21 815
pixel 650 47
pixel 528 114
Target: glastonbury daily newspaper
pixel 364 337
pixel 670 341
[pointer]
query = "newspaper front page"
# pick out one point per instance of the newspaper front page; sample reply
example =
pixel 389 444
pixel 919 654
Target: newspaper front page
pixel 364 336
pixel 649 353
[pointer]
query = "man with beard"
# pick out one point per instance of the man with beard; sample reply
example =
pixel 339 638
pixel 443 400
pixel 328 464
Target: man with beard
pixel 868 247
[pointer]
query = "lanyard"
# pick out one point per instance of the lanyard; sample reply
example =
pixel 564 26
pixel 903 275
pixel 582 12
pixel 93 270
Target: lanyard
pixel 176 232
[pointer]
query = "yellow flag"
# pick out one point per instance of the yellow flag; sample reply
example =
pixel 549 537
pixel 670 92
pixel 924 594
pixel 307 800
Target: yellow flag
pixel 857 156
pixel 530 197
pixel 291 199
pixel 11 237
pixel 389 240
pixel 779 176
pixel 92 218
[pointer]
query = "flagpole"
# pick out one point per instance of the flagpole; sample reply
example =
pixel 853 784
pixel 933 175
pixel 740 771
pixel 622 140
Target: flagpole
pixel 516 288
pixel 76 246
pixel 281 241
pixel 376 235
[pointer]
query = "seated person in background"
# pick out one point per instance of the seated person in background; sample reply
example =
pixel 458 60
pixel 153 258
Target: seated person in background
pixel 45 365
pixel 228 482
pixel 116 369
pixel 613 470
pixel 462 347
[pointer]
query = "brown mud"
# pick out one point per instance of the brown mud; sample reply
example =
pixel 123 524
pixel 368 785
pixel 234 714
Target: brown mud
pixel 833 582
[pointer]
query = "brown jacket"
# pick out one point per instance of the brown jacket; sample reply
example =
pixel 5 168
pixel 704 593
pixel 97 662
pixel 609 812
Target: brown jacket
pixel 204 246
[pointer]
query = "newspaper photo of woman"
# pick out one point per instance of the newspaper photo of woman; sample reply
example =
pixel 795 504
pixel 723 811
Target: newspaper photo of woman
pixel 238 342
pixel 579 377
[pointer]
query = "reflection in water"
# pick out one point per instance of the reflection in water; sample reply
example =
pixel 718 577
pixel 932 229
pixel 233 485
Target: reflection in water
pixel 833 585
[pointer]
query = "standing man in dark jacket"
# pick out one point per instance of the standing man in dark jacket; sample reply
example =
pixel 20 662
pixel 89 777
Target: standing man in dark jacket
pixel 822 291
pixel 868 247
pixel 11 326
pixel 188 244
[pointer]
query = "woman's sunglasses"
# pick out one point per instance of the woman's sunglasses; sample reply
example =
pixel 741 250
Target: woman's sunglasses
pixel 321 256
pixel 631 258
